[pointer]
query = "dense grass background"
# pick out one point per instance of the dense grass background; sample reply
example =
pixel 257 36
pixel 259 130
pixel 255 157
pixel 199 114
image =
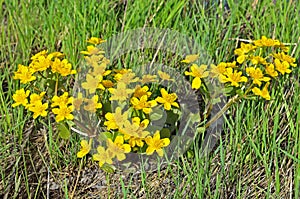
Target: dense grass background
pixel 258 155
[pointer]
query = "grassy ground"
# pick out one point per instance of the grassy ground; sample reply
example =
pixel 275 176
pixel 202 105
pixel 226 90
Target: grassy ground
pixel 257 157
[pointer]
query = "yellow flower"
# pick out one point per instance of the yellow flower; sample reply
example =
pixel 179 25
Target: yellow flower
pixel 143 104
pixel 92 83
pixel 55 54
pixel 234 77
pixel 63 67
pixel 94 60
pixel 78 101
pixel 190 58
pixel 37 55
pixel 282 67
pixel 258 60
pixel 148 78
pixel 41 63
pixel 198 72
pixel 167 99
pixel 284 57
pixel 231 64
pixel 38 109
pixel 135 129
pixel 24 74
pixel 257 75
pixel 140 91
pixel 100 70
pixel 92 104
pixel 242 52
pixel 116 120
pixel 95 40
pixel 164 76
pixel 63 112
pixel 126 78
pixel 20 97
pixel 120 93
pixel 270 70
pixel 61 100
pixel 135 141
pixel 103 156
pixel 264 41
pixel 264 93
pixel 85 148
pixel 156 144
pixel 118 148
pixel 35 97
pixel 217 71
pixel 92 50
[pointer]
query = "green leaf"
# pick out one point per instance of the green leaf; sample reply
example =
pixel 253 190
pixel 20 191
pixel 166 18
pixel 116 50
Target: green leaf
pixel 108 135
pixel 63 131
pixel 201 129
pixel 165 133
pixel 216 100
pixel 106 107
pixel 172 117
pixel 108 168
pixel 156 114
pixel 228 89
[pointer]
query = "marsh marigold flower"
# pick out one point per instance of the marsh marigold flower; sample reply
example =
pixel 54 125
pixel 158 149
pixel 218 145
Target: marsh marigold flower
pixel 167 99
pixel 64 68
pixel 103 156
pixel 95 40
pixel 258 60
pixel 190 58
pixel 135 128
pixel 38 109
pixel 140 91
pixel 164 76
pixel 126 78
pixel 243 51
pixel 92 50
pixel 85 148
pixel 121 93
pixel 92 83
pixel 118 148
pixel 156 144
pixel 282 67
pixel 92 104
pixel 41 63
pixel 233 76
pixel 24 74
pixel 257 75
pixel 148 78
pixel 217 71
pixel 284 57
pixel 264 93
pixel 63 112
pixel 116 120
pixel 143 104
pixel 264 41
pixel 270 70
pixel 197 72
pixel 61 100
pixel 20 97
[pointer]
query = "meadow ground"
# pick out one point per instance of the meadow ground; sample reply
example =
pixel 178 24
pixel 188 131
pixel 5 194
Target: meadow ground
pixel 258 155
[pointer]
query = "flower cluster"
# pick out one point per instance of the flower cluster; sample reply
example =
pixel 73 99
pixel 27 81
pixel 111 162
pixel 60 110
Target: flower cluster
pixel 127 104
pixel 127 125
pixel 256 64
pixel 41 81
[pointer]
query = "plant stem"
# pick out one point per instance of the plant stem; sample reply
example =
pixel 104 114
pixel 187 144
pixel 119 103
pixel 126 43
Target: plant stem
pixel 222 111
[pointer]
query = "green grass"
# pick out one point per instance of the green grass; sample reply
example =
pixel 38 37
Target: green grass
pixel 257 157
